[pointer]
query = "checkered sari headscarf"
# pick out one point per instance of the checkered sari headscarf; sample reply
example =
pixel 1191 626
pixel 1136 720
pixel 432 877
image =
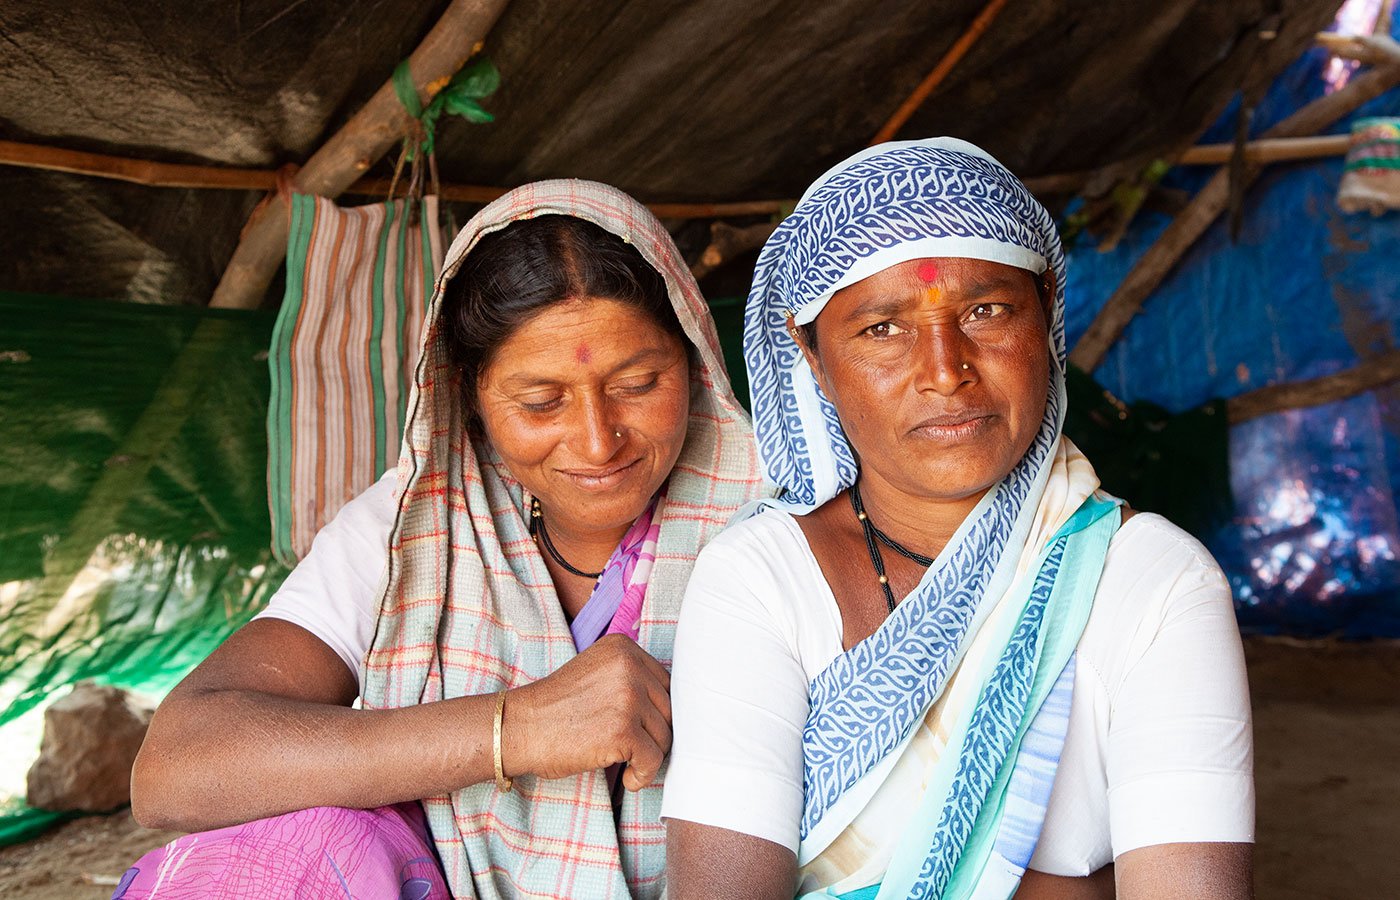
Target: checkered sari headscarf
pixel 468 606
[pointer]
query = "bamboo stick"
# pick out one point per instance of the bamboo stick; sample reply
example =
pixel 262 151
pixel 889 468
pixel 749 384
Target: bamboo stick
pixel 940 71
pixel 1368 375
pixel 344 158
pixel 1205 208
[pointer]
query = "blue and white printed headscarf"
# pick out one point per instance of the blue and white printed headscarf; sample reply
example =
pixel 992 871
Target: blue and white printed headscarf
pixel 886 205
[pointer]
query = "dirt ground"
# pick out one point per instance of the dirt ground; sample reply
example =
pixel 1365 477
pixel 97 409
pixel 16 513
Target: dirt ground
pixel 1327 744
pixel 1327 769
pixel 78 860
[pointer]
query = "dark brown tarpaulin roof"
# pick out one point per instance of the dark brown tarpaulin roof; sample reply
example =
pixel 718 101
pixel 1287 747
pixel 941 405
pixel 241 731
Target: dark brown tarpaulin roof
pixel 712 100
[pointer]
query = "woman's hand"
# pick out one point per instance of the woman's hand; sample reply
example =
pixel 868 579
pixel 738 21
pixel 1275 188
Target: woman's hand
pixel 609 704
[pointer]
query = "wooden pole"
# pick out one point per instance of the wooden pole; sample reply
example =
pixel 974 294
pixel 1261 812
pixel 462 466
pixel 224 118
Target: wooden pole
pixel 176 175
pixel 727 242
pixel 1368 375
pixel 1057 184
pixel 343 159
pixel 1270 150
pixel 1377 49
pixel 940 71
pixel 1205 208
pixel 467 193
pixel 136 171
pixel 179 175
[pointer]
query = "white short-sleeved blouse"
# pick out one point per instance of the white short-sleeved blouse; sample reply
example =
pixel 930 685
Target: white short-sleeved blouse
pixel 333 591
pixel 1159 748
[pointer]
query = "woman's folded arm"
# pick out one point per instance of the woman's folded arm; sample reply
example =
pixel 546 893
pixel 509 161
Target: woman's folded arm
pixel 264 726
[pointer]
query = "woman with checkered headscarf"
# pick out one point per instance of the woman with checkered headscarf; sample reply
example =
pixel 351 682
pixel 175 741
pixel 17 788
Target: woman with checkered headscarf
pixel 503 605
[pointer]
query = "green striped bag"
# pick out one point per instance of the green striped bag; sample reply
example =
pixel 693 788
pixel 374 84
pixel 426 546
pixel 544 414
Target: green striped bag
pixel 342 355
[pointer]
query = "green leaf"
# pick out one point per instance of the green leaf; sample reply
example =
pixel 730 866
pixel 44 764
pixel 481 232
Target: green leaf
pixel 468 109
pixel 479 78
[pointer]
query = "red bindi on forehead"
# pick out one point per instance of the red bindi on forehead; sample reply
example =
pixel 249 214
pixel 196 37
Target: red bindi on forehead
pixel 582 355
pixel 927 271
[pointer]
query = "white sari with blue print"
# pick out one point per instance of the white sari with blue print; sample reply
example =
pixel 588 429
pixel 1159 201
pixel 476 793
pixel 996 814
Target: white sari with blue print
pixel 930 747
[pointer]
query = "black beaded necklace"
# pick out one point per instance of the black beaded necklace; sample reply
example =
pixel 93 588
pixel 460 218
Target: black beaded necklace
pixel 874 537
pixel 540 533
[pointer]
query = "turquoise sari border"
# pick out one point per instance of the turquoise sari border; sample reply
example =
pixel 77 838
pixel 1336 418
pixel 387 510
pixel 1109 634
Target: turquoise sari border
pixel 1082 545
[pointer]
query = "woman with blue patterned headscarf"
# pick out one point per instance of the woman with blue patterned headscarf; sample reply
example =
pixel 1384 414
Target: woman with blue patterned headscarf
pixel 944 663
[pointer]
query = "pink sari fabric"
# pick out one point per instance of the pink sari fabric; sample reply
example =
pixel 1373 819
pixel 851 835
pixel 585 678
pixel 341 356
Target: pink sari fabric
pixel 323 852
pixel 386 852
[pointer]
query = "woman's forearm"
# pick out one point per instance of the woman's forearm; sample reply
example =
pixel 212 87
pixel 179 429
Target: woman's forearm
pixel 219 757
pixel 264 727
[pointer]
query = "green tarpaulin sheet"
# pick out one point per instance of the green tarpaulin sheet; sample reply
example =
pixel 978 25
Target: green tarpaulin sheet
pixel 133 505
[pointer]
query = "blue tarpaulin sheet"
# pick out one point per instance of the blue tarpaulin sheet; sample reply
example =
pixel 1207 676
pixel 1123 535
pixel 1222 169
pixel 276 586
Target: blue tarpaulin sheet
pixel 1304 291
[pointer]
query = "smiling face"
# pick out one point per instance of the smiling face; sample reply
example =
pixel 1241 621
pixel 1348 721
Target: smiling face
pixel 939 370
pixel 558 392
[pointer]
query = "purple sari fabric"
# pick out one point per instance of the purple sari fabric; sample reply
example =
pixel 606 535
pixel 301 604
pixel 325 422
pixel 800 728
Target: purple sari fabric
pixel 387 852
pixel 616 603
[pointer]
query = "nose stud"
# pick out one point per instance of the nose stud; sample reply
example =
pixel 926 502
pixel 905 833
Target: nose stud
pixel 966 366
pixel 617 433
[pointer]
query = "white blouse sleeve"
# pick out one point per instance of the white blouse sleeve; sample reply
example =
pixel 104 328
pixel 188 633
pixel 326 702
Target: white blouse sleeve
pixel 1180 745
pixel 738 697
pixel 332 592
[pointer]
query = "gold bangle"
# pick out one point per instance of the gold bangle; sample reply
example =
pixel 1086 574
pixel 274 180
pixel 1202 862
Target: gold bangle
pixel 503 784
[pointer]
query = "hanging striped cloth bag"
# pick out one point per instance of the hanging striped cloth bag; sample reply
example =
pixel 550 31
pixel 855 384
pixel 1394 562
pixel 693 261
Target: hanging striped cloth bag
pixel 343 352
pixel 1371 179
